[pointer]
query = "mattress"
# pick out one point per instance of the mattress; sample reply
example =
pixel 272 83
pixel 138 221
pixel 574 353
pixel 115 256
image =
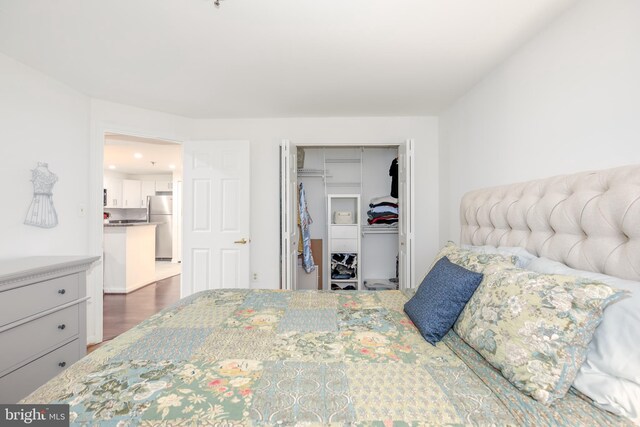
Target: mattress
pixel 239 357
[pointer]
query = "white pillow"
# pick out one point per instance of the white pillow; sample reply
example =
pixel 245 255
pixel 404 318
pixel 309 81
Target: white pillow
pixel 524 256
pixel 610 393
pixel 611 374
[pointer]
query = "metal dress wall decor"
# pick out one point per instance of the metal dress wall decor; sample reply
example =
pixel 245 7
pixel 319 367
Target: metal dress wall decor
pixel 42 213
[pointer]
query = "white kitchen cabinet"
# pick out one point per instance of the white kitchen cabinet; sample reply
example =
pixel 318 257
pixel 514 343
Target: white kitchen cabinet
pixel 113 186
pixel 131 193
pixel 164 185
pixel 147 188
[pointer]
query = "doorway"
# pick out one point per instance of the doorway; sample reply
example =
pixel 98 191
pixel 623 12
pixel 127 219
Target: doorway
pixel 142 223
pixel 357 200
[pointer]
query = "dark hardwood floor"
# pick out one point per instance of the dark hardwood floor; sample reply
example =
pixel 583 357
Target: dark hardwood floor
pixel 123 312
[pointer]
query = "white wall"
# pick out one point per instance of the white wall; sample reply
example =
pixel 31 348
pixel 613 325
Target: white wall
pixel 265 136
pixel 42 120
pixel 567 101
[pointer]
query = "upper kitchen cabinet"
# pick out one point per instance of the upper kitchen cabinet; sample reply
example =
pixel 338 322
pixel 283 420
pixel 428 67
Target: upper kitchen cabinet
pixel 164 185
pixel 113 186
pixel 148 188
pixel 125 193
pixel 131 194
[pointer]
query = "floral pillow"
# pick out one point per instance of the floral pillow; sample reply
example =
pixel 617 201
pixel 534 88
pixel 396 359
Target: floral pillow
pixel 475 261
pixel 535 328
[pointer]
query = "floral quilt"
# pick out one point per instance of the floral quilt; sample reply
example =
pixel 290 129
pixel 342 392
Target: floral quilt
pixel 242 358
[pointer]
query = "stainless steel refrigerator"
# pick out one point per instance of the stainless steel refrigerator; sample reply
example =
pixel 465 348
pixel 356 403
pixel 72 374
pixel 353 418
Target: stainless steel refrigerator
pixel 160 209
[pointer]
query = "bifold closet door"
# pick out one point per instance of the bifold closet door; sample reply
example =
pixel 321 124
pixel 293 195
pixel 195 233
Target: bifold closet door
pixel 216 238
pixel 289 234
pixel 405 215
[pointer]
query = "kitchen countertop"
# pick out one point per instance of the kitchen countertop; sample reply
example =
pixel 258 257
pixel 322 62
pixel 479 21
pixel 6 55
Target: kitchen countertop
pixel 130 224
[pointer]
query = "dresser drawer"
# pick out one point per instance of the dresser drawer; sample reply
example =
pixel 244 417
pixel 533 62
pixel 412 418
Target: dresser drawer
pixel 19 383
pixel 32 338
pixel 344 231
pixel 25 301
pixel 344 245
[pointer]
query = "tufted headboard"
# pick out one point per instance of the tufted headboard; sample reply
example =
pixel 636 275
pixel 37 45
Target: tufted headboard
pixel 588 221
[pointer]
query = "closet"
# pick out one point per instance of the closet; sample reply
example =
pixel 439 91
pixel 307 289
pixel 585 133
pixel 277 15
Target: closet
pixel 360 236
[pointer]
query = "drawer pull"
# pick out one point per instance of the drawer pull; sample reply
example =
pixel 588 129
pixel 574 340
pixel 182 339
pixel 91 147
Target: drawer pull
pixel 62 291
pixel 62 364
pixel 61 327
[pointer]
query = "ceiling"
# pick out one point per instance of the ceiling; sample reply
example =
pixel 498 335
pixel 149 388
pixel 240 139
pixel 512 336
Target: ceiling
pixel 119 151
pixel 276 58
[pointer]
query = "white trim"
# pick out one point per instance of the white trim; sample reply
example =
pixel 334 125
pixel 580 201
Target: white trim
pixel 349 143
pixel 412 213
pixel 284 229
pixel 95 284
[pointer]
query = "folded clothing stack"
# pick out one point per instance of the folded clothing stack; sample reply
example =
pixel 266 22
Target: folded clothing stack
pixel 383 210
pixel 343 266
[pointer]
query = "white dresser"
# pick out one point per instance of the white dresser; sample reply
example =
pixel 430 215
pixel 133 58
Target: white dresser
pixel 42 320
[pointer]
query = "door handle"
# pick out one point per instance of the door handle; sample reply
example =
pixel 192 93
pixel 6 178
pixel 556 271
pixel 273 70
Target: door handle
pixel 242 241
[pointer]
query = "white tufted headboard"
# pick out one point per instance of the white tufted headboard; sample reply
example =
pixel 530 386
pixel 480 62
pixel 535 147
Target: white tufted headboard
pixel 588 221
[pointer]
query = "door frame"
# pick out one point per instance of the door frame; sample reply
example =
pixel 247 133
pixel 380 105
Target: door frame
pixel 95 282
pixel 410 143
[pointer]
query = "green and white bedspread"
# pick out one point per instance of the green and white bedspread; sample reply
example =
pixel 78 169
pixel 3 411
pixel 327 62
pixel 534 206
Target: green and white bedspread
pixel 238 357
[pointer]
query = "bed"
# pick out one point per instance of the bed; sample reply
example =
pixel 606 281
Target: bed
pixel 263 357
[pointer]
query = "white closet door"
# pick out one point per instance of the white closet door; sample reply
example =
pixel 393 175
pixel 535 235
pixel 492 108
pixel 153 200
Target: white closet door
pixel 289 214
pixel 406 215
pixel 216 215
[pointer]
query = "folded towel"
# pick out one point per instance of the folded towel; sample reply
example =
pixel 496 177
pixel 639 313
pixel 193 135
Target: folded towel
pixel 383 199
pixel 383 209
pixel 388 219
pixel 393 205
pixel 372 215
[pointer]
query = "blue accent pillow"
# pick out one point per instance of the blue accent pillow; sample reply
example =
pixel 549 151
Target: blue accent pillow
pixel 441 298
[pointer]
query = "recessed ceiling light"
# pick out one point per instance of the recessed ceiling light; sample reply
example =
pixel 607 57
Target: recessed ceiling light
pixel 172 166
pixel 112 166
pixel 137 155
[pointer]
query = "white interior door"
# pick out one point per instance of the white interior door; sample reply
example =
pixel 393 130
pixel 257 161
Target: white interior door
pixel 406 215
pixel 288 214
pixel 216 240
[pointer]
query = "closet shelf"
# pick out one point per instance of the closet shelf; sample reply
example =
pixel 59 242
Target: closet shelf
pixel 379 229
pixel 342 161
pixel 343 184
pixel 320 173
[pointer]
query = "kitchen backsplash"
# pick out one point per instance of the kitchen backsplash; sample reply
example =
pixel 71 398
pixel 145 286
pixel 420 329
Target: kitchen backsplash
pixel 119 214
